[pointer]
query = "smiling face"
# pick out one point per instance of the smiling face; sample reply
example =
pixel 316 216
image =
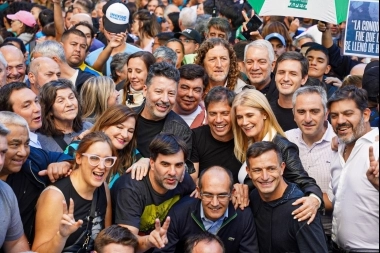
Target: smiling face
pixel 160 98
pixel 348 121
pixel 166 171
pixel 289 77
pixel 94 176
pixel 137 73
pixel 215 182
pixel 219 120
pixel 189 95
pixel 18 150
pixel 266 174
pixel 26 104
pixel 310 115
pixel 65 107
pixel 258 67
pixel 121 134
pixel 217 63
pixel 252 121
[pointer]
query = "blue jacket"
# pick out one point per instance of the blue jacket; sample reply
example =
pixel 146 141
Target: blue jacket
pixel 237 232
pixel 278 232
pixel 28 185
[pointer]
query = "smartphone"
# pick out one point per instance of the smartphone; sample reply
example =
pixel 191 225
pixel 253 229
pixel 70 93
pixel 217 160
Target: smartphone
pixel 253 25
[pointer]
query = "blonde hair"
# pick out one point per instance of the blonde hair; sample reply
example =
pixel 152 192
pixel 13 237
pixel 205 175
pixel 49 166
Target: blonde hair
pixel 254 99
pixel 94 96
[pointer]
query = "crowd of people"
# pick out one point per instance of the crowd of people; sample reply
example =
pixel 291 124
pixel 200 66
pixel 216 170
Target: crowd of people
pixel 161 126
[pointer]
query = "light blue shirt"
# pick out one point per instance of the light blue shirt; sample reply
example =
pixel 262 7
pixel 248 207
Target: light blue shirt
pixel 212 226
pixel 91 58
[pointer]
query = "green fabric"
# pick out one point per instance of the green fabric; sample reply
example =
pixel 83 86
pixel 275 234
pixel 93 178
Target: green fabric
pixel 341 12
pixel 189 59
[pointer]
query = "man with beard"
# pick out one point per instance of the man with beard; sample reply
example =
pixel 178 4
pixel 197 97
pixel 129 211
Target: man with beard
pixel 219 60
pixel 155 114
pixel 138 205
pixel 354 186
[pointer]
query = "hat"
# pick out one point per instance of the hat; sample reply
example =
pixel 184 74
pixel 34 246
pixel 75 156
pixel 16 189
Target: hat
pixel 24 16
pixel 190 34
pixel 371 80
pixel 116 16
pixel 276 36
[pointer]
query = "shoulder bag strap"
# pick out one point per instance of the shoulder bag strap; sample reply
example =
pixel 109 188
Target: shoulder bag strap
pixel 61 142
pixel 90 218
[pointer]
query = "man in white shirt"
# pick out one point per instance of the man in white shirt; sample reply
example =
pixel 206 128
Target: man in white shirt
pixel 313 138
pixel 189 104
pixel 354 187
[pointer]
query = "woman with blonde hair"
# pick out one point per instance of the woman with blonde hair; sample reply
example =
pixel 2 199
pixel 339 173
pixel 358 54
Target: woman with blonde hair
pixel 253 121
pixel 97 94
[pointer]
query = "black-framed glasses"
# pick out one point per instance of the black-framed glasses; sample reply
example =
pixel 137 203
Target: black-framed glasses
pixel 220 197
pixel 95 160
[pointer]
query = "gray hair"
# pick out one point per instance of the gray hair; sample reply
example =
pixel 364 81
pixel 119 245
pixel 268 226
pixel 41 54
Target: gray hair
pixel 296 42
pixel 311 90
pixel 50 48
pixel 3 130
pixel 221 24
pixel 117 63
pixel 201 24
pixel 166 54
pixel 263 44
pixel 3 61
pixel 169 9
pixel 11 118
pixel 188 17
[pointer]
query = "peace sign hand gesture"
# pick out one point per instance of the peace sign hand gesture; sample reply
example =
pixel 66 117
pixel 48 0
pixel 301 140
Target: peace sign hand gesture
pixel 158 237
pixel 373 170
pixel 68 224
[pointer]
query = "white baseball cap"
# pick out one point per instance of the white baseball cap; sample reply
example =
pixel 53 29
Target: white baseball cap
pixel 116 16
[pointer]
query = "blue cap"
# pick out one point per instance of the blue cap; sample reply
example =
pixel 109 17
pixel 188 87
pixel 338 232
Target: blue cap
pixel 276 36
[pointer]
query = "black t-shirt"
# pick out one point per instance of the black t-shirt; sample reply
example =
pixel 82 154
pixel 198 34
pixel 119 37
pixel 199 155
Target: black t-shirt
pixel 284 116
pixel 136 203
pixel 207 151
pixel 82 211
pixel 146 131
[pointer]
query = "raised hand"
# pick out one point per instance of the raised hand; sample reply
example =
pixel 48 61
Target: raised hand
pixel 117 40
pixel 68 224
pixel 373 170
pixel 158 237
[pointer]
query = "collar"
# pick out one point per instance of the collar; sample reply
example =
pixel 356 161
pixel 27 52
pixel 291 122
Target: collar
pixel 327 136
pixel 34 140
pixel 203 217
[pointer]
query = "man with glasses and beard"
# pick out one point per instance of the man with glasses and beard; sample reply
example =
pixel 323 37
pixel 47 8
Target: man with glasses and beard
pixel 354 186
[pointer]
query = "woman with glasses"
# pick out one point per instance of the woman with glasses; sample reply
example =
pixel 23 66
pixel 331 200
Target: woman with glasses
pixel 253 121
pixel 145 27
pixel 61 115
pixel 118 123
pixel 75 209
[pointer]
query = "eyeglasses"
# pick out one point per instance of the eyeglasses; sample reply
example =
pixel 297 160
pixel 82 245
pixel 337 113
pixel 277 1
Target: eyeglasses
pixel 95 160
pixel 220 197
pixel 187 41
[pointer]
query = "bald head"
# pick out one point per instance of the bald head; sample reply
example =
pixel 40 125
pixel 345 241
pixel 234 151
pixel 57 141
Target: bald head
pixel 42 70
pixel 16 64
pixel 80 17
pixel 358 70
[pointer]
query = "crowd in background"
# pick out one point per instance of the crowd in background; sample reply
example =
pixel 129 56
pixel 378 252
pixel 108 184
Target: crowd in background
pixel 162 126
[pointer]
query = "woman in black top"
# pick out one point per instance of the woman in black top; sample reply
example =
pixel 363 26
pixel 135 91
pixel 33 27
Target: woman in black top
pixel 57 228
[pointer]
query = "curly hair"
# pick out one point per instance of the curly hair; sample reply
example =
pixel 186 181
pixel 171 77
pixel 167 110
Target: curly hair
pixel 233 73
